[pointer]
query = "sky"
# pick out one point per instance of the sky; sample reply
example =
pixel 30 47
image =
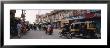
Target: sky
pixel 31 14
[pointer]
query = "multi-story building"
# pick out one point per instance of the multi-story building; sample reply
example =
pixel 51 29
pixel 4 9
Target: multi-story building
pixel 56 16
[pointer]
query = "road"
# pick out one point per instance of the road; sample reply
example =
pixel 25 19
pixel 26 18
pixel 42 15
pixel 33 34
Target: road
pixel 36 34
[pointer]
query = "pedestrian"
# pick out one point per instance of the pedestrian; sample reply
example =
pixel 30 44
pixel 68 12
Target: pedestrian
pixel 50 29
pixel 45 29
pixel 39 27
pixel 34 26
pixel 24 28
pixel 19 29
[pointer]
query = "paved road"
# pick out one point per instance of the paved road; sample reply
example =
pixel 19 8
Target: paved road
pixel 36 34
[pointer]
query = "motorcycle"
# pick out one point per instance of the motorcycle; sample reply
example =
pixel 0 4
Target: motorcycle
pixel 50 31
pixel 65 34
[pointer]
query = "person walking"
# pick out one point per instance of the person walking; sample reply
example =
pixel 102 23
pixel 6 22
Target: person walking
pixel 40 27
pixel 45 29
pixel 19 29
pixel 50 29
pixel 34 26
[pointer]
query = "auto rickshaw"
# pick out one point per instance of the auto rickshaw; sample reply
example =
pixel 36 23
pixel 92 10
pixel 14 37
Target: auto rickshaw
pixel 75 29
pixel 91 29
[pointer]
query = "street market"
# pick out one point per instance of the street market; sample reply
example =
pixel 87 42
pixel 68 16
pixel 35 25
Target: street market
pixel 56 24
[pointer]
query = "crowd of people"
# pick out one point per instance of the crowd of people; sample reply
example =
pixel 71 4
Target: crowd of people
pixel 18 26
pixel 48 28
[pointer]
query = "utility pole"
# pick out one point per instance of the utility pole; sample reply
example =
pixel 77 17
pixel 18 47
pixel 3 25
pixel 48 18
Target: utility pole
pixel 23 15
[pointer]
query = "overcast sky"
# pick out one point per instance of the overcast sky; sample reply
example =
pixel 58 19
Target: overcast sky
pixel 31 14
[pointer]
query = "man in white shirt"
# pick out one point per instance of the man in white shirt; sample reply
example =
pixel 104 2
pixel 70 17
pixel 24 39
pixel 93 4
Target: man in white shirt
pixel 19 28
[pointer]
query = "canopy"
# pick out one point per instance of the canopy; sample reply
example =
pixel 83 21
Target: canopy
pixel 74 17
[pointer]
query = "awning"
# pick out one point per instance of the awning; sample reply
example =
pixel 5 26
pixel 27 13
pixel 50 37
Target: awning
pixel 74 17
pixel 69 18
